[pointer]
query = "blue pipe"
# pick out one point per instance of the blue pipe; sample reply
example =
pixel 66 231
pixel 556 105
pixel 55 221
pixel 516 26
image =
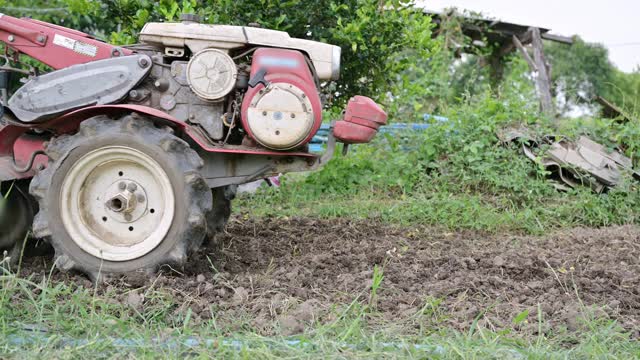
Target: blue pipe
pixel 317 144
pixel 42 338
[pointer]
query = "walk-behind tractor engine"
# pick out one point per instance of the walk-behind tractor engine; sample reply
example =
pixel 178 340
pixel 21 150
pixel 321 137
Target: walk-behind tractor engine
pixel 126 158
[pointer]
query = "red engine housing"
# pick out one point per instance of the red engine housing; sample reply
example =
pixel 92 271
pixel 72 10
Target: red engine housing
pixel 283 66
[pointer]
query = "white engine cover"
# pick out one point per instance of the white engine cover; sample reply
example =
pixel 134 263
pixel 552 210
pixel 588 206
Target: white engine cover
pixel 325 57
pixel 281 118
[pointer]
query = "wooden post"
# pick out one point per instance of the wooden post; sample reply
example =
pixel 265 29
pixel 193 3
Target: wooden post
pixel 525 54
pixel 496 63
pixel 543 78
pixel 540 68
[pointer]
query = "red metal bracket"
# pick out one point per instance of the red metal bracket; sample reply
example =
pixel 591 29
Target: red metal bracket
pixel 35 37
pixel 55 45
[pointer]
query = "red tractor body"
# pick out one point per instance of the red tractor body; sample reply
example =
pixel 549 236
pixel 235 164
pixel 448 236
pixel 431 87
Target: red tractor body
pixel 194 110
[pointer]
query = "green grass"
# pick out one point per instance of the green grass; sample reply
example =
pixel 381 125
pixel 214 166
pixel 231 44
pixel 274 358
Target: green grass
pixel 447 208
pixel 42 319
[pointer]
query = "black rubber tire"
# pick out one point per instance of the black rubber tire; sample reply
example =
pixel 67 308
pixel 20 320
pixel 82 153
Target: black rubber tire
pixel 218 217
pixel 179 161
pixel 16 216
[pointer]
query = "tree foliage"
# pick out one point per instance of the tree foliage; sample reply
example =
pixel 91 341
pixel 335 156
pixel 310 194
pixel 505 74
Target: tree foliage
pixel 53 11
pixel 583 71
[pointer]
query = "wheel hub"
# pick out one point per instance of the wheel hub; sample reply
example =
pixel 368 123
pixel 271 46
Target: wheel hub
pixel 126 201
pixel 117 203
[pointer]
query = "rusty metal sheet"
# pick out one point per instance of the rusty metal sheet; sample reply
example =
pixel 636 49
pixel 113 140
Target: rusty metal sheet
pixel 581 162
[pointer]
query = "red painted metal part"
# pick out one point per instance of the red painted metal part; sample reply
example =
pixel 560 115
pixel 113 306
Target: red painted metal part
pixel 350 133
pixel 364 111
pixel 16 144
pixel 69 122
pixel 207 146
pixel 54 45
pixel 284 66
pixel 8 136
pixel 361 121
pixel 24 147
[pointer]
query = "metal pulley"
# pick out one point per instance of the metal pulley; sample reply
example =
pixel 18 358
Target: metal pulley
pixel 212 74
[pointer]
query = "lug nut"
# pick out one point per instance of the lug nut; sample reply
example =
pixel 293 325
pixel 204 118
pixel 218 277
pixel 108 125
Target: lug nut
pixel 127 216
pixel 122 185
pixel 141 198
pixel 132 187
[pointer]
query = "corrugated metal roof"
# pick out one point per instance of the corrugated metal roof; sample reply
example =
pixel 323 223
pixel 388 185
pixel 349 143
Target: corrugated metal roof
pixel 496 31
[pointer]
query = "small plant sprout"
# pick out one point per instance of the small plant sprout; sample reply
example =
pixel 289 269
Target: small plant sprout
pixel 378 276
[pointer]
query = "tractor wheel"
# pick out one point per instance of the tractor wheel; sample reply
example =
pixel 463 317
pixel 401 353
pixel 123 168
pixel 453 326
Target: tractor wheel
pixel 16 215
pixel 121 196
pixel 219 215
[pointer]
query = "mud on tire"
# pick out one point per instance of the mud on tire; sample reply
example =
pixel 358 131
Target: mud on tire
pixel 218 217
pixel 17 209
pixel 192 199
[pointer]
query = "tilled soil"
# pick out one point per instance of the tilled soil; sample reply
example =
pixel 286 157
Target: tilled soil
pixel 292 271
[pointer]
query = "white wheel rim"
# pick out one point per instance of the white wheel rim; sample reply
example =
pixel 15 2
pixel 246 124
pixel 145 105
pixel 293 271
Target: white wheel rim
pixel 110 222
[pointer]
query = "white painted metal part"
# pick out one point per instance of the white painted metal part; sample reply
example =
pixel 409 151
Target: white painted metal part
pixel 281 117
pixel 117 203
pixel 211 74
pixel 325 57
